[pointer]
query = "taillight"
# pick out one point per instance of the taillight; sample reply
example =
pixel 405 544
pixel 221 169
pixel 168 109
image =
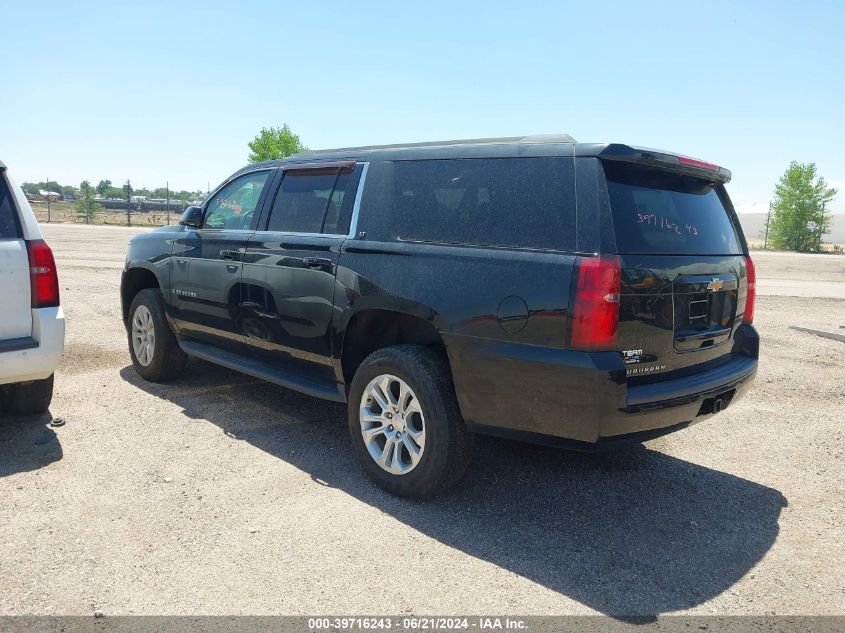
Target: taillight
pixel 595 315
pixel 694 162
pixel 751 291
pixel 42 275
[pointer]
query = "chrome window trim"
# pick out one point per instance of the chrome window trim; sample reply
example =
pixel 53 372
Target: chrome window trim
pixel 356 206
pixel 294 234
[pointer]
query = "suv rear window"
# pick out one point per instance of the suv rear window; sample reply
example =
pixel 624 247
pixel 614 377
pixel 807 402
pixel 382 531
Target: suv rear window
pixel 659 212
pixel 8 217
pixel 513 202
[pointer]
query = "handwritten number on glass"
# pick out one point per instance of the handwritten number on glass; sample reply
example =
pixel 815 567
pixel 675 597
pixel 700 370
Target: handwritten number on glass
pixel 665 223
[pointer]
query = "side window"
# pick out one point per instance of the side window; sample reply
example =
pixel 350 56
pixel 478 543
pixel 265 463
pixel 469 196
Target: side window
pixel 234 206
pixel 339 213
pixel 8 219
pixel 516 202
pixel 313 201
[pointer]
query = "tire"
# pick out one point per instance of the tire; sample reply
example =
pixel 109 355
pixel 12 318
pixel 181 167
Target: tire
pixel 446 447
pixel 166 360
pixel 26 398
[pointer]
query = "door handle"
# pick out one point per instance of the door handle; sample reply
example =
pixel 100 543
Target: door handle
pixel 317 262
pixel 230 256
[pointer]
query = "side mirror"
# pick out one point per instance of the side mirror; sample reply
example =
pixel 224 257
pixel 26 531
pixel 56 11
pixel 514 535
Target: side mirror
pixel 192 217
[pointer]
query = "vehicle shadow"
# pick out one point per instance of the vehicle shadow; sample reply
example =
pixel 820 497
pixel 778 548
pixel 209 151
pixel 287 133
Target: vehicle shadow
pixel 27 443
pixel 634 533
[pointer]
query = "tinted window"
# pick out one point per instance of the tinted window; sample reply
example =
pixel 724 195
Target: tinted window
pixel 312 202
pixel 657 212
pixel 8 216
pixel 337 204
pixel 519 202
pixel 234 206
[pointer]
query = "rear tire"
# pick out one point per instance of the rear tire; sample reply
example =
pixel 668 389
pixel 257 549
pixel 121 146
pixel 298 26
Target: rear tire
pixel 431 426
pixel 30 397
pixel 155 352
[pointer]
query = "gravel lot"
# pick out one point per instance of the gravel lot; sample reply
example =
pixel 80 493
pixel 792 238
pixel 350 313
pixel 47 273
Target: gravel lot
pixel 220 494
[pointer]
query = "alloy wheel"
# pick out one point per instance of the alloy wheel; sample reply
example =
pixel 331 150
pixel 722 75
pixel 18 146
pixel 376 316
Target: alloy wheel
pixel 143 335
pixel 392 424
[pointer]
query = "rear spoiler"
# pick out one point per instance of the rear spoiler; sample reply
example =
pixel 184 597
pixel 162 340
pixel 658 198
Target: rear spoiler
pixel 655 158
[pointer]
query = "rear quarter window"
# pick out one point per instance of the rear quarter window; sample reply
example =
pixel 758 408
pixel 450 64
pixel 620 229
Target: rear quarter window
pixel 660 212
pixel 8 216
pixel 498 202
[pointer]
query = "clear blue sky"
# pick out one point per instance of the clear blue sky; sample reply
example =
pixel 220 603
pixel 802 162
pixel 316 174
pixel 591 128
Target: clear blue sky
pixel 174 90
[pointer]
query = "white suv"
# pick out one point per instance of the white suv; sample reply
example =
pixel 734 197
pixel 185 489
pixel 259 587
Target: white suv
pixel 32 324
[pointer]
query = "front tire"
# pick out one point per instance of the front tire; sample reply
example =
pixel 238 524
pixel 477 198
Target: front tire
pixel 30 397
pixel 405 423
pixel 155 353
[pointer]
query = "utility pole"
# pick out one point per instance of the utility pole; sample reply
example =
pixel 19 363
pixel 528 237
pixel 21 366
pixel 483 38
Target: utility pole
pixel 768 219
pixel 48 199
pixel 167 201
pixel 128 189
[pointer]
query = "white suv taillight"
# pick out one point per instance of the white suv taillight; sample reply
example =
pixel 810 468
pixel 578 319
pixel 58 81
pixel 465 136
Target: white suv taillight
pixel 44 281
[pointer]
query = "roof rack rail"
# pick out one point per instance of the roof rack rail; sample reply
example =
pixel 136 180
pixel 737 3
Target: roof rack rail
pixel 533 138
pixel 548 138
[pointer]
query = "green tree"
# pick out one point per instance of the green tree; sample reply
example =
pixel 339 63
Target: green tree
pixel 113 192
pixel 52 185
pixel 801 197
pixel 85 205
pixel 274 142
pixel 35 188
pixel 102 186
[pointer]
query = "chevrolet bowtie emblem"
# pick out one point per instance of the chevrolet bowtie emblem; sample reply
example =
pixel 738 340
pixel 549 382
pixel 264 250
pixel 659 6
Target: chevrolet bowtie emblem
pixel 715 284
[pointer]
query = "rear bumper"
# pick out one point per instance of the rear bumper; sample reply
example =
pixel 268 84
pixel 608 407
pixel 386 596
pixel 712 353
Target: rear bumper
pixel 679 403
pixel 581 400
pixel 36 357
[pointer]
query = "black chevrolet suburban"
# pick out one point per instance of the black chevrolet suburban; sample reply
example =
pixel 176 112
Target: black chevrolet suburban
pixel 584 295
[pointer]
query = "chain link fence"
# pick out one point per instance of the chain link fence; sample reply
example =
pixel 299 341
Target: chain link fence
pixel 113 212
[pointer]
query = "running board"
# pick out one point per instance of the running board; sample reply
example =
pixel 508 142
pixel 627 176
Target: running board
pixel 265 371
